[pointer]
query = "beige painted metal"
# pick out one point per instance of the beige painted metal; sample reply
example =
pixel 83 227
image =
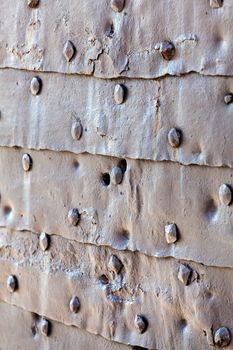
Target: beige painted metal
pixel 20 329
pixel 109 301
pixel 131 215
pixel 116 194
pixel 137 128
pixel 109 44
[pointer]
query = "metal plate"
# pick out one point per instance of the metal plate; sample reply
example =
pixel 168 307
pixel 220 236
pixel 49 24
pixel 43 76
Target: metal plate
pixel 20 329
pixel 111 44
pixel 131 215
pixel 137 129
pixel 179 316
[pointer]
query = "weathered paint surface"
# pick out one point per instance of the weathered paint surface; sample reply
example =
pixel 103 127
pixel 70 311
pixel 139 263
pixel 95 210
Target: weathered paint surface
pixel 116 181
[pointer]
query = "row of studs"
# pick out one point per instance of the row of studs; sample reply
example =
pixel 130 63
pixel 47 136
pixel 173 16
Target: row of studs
pixel 114 265
pixel 166 48
pixel 120 91
pixel 118 5
pixel 222 336
pixel 116 176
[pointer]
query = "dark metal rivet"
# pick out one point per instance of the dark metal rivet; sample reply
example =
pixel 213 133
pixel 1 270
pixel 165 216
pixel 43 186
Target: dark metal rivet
pixel 45 327
pixel 114 264
pixel 74 305
pixel 116 175
pixel 12 283
pixel 44 241
pixel 215 4
pixel 73 216
pixel 171 233
pixel 26 162
pixel 68 51
pixel 76 130
pixel 117 5
pixel 174 137
pixel 228 98
pixel 184 274
pixel 119 94
pixel 225 194
pixel 33 3
pixel 141 323
pixel 35 86
pixel 167 50
pixel 222 337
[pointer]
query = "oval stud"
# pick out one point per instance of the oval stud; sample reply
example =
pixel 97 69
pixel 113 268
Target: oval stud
pixel 228 98
pixel 11 283
pixel 117 5
pixel 141 323
pixel 44 241
pixel 33 3
pixel 174 138
pixel 73 216
pixel 35 86
pixel 222 337
pixel 116 175
pixel 167 50
pixel 68 51
pixel 26 162
pixel 74 305
pixel 225 194
pixel 76 130
pixel 215 4
pixel 114 264
pixel 119 94
pixel 45 327
pixel 184 274
pixel 171 233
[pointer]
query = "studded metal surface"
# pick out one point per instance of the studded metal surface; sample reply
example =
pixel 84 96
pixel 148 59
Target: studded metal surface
pixel 187 295
pixel 82 116
pixel 111 44
pixel 20 329
pixel 79 201
pixel 116 183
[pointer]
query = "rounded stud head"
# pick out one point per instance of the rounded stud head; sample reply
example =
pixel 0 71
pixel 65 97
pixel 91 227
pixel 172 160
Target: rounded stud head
pixel 11 283
pixel 116 175
pixel 167 50
pixel 222 337
pixel 174 137
pixel 171 233
pixel 68 50
pixel 141 323
pixel 76 130
pixel 119 94
pixel 215 4
pixel 35 86
pixel 26 162
pixel 73 216
pixel 114 264
pixel 45 327
pixel 184 274
pixel 117 5
pixel 225 194
pixel 44 241
pixel 33 3
pixel 74 305
pixel 228 98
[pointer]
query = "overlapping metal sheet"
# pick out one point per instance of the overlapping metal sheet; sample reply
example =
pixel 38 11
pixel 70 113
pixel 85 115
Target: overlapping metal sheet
pixel 116 182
